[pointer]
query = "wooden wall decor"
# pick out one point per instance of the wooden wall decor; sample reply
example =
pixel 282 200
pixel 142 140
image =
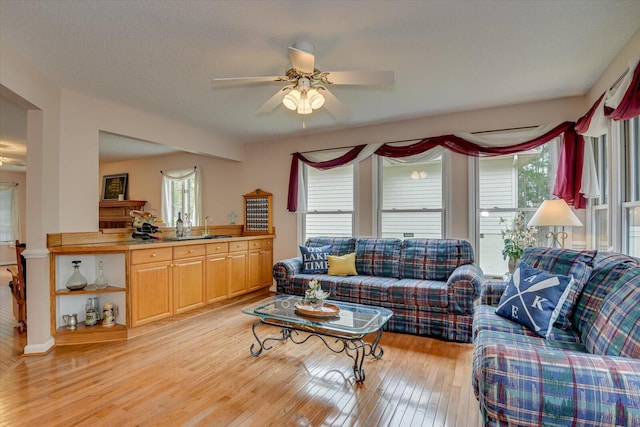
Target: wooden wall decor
pixel 258 213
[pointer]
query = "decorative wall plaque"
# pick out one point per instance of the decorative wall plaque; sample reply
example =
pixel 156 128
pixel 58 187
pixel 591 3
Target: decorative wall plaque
pixel 258 213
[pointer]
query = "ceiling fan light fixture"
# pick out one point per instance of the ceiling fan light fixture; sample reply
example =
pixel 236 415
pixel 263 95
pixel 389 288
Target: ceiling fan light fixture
pixel 315 99
pixel 291 99
pixel 304 107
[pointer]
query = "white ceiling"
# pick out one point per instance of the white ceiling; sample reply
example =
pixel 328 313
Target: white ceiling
pixel 448 55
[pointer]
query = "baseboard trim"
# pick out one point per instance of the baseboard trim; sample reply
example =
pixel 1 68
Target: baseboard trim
pixel 39 349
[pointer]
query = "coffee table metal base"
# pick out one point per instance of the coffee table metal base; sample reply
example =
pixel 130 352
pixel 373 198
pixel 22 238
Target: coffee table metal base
pixel 353 346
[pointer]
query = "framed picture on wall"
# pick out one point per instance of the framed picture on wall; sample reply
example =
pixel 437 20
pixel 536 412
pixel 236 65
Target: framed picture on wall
pixel 114 185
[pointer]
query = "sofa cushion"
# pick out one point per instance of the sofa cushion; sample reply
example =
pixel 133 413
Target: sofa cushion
pixel 339 245
pixel 433 259
pixel 377 257
pixel 342 265
pixel 486 319
pixel 616 327
pixel 533 298
pixel 314 260
pixel 608 268
pixel 568 262
pixel 419 293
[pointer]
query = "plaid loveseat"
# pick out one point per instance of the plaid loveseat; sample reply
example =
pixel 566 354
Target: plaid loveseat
pixel 587 373
pixel 429 284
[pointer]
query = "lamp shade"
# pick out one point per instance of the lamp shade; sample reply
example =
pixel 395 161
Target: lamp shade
pixel 554 213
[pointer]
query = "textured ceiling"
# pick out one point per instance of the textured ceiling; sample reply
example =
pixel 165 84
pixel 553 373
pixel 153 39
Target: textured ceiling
pixel 159 56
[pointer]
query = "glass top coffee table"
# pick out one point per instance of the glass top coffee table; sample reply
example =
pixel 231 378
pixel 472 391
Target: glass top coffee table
pixel 347 323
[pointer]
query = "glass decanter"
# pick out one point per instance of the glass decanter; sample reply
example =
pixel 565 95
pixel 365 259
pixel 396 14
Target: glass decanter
pixel 77 280
pixel 101 281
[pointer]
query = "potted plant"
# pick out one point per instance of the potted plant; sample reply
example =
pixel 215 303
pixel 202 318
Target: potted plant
pixel 315 295
pixel 517 237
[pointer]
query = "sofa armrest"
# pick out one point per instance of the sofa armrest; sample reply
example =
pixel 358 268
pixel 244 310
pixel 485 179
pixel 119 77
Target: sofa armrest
pixel 492 291
pixel 464 288
pixel 284 269
pixel 538 385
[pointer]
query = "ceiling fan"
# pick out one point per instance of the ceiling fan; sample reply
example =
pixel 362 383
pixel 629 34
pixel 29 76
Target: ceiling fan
pixel 305 87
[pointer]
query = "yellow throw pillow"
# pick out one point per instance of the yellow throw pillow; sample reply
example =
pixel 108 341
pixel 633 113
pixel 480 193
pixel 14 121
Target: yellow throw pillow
pixel 344 265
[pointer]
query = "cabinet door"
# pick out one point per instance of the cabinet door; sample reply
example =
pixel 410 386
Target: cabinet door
pixel 255 270
pixel 151 296
pixel 188 284
pixel 267 267
pixel 237 273
pixel 217 278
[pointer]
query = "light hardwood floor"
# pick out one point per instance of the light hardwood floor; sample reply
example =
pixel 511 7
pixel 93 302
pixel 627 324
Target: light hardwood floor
pixel 199 372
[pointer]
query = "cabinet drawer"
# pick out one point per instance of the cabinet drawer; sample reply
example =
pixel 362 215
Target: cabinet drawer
pixel 255 244
pixel 188 251
pixel 217 248
pixel 267 243
pixel 151 255
pixel 238 246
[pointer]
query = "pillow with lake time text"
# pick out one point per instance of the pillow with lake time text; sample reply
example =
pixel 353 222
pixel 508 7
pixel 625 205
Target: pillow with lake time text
pixel 314 260
pixel 344 265
pixel 533 298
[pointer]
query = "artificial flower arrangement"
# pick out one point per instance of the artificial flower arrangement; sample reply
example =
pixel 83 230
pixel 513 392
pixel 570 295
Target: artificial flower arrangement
pixel 315 294
pixel 517 237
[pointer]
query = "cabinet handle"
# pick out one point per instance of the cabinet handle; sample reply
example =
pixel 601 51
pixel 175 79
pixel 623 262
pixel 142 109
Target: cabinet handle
pixel 154 255
pixel 217 247
pixel 191 251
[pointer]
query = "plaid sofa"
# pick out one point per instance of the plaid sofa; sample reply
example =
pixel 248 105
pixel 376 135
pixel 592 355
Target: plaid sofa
pixel 587 373
pixel 429 284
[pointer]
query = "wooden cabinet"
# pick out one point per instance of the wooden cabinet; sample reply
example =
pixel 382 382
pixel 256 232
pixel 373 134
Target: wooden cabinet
pixel 217 272
pixel 260 263
pixel 238 264
pixel 65 301
pixel 151 282
pixel 258 213
pixel 188 277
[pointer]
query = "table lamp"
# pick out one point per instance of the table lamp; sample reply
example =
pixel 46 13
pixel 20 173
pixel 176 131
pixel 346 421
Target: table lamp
pixel 555 213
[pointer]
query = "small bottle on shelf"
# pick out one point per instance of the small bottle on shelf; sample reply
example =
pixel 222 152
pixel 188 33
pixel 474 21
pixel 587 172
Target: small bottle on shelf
pixel 187 224
pixel 101 281
pixel 179 226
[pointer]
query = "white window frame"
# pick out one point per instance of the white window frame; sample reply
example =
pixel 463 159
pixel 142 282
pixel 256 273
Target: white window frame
pixel 601 148
pixel 475 210
pixel 377 199
pixel 630 191
pixel 302 211
pixel 168 215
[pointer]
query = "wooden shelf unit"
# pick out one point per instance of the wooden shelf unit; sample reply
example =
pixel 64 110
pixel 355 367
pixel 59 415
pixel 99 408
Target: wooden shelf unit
pixel 258 213
pixel 115 213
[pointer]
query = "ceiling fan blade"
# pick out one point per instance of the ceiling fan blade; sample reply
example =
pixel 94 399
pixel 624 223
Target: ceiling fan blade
pixel 273 102
pixel 301 60
pixel 374 78
pixel 334 106
pixel 243 80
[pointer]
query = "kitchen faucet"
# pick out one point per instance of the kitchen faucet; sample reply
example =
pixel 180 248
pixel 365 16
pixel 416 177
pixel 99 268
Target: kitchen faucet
pixel 206 221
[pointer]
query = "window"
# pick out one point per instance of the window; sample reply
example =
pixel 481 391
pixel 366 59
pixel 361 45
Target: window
pixel 507 185
pixel 630 145
pixel 9 215
pixel 600 206
pixel 181 194
pixel 329 202
pixel 410 198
